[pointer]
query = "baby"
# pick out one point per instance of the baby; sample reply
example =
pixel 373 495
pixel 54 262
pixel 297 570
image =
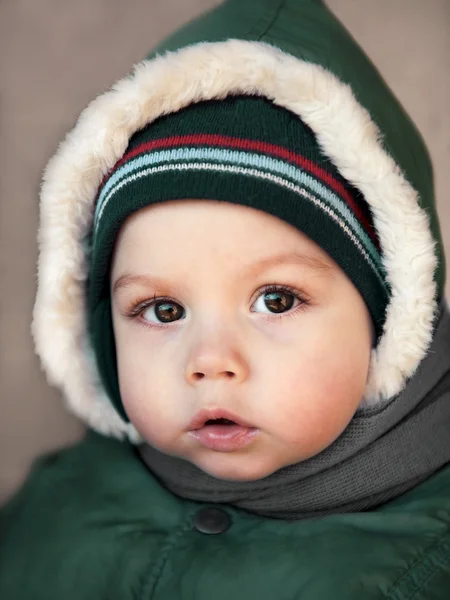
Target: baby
pixel 224 312
pixel 241 293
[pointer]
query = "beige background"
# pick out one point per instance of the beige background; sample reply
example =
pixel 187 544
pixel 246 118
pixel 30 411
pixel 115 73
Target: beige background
pixel 55 56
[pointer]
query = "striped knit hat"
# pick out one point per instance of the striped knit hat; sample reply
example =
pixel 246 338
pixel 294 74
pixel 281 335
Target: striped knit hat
pixel 244 150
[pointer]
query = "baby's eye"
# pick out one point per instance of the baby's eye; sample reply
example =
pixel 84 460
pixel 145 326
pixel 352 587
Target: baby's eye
pixel 273 299
pixel 165 311
pixel 276 300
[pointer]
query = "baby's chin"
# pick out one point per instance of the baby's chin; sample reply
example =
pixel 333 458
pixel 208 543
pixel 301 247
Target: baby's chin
pixel 232 467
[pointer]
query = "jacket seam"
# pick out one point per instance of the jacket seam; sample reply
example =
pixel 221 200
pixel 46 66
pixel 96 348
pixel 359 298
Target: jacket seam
pixel 266 27
pixel 148 586
pixel 422 569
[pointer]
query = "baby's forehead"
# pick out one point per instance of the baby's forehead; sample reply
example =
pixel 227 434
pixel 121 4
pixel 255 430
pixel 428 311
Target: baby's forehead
pixel 237 230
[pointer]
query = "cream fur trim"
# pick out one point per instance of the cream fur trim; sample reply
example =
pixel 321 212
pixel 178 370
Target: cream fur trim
pixel 166 84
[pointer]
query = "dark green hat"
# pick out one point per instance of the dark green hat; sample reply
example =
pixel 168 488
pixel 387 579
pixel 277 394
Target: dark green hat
pixel 244 150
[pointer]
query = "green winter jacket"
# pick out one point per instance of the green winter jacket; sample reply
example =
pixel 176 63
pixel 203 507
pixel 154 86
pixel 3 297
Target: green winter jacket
pixel 92 522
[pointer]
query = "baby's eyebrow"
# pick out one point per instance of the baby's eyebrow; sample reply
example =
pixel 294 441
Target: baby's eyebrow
pixel 252 270
pixel 129 279
pixel 304 260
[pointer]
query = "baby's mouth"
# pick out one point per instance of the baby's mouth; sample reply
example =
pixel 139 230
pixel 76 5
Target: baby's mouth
pixel 221 433
pixel 216 417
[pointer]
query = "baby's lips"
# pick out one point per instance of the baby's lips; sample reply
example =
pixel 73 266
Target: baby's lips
pixel 224 438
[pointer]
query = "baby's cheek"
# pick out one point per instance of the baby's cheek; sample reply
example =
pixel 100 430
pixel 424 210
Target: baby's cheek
pixel 320 410
pixel 147 422
pixel 133 400
pixel 341 393
pixel 136 400
pixel 149 406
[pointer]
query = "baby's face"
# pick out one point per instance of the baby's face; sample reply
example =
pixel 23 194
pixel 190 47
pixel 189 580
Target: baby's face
pixel 198 326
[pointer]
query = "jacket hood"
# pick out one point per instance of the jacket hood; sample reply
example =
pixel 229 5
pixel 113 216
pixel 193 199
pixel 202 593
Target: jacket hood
pixel 298 55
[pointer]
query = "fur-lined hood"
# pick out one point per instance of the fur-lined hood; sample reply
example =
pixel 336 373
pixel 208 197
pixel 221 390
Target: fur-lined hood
pixel 297 54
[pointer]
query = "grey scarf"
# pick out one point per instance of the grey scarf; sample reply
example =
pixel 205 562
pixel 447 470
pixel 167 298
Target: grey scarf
pixel 384 452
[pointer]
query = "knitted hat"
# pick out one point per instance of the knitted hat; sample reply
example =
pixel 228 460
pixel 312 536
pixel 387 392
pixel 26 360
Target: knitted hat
pixel 244 150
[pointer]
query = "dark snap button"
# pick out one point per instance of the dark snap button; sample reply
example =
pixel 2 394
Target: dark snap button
pixel 211 520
